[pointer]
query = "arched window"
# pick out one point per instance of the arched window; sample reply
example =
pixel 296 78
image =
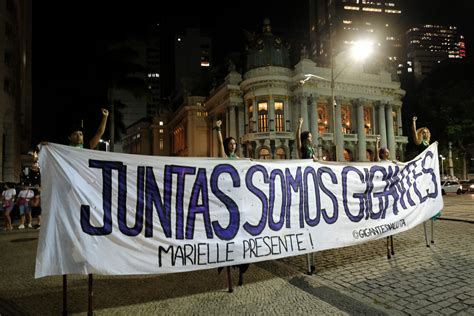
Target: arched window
pixel 279 117
pixel 264 154
pixel 280 153
pixel 262 116
pixel 250 116
pixel 346 119
pixel 322 118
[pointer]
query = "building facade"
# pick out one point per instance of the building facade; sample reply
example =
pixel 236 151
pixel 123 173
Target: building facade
pixel 427 45
pixel 15 97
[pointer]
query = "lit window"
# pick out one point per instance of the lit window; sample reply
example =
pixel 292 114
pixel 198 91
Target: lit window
pixel 262 117
pixel 372 9
pixel 179 39
pixel 410 69
pixel 346 7
pixel 161 123
pixel 346 21
pixel 205 63
pixel 279 117
pixel 161 144
pixel 161 131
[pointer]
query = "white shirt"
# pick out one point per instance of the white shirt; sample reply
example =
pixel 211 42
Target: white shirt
pixel 9 194
pixel 26 194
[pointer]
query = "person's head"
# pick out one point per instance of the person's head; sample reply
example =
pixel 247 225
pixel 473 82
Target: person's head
pixel 384 153
pixel 76 138
pixel 425 134
pixel 306 138
pixel 230 145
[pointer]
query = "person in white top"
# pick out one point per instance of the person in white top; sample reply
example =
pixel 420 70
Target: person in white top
pixel 8 201
pixel 23 201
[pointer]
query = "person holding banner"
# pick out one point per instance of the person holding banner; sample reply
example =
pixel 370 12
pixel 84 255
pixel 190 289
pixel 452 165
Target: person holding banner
pixel 76 137
pixel 422 137
pixel 227 148
pixel 383 154
pixel 304 143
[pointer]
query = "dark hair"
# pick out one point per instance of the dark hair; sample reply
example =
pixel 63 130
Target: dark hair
pixel 382 152
pixel 226 144
pixel 304 136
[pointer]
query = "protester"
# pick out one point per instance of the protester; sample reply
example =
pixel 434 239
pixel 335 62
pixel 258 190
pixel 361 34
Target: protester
pixel 227 148
pixel 383 154
pixel 76 137
pixel 422 137
pixel 304 143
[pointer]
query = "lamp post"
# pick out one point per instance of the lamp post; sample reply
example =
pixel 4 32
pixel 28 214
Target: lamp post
pixel 359 51
pixel 442 166
pixel 450 160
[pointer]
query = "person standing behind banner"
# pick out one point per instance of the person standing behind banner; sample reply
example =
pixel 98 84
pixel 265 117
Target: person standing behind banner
pixel 383 154
pixel 304 144
pixel 8 202
pixel 76 137
pixel 421 138
pixel 226 149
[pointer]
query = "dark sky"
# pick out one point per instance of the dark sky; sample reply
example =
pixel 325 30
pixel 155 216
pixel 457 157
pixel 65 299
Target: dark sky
pixel 67 34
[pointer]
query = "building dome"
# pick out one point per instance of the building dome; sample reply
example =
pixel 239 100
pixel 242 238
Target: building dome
pixel 266 49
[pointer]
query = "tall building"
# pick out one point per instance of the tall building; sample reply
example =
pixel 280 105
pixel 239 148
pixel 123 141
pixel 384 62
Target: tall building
pixel 336 24
pixel 192 61
pixel 427 45
pixel 15 97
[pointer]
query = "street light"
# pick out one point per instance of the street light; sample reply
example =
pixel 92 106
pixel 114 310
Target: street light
pixel 442 165
pixel 359 51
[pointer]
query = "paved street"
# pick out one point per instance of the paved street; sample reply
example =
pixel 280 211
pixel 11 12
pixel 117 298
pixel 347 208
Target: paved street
pixel 357 280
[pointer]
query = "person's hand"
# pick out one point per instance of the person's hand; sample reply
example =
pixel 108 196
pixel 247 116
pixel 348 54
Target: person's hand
pixel 377 139
pixel 105 112
pixel 301 121
pixel 414 118
pixel 219 123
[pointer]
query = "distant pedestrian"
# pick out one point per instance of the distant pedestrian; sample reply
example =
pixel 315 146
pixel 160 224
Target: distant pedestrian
pixel 8 202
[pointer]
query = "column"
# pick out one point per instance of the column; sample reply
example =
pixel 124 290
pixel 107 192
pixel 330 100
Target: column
pixel 361 139
pixel 313 111
pixel 390 131
pixel 232 122
pixel 338 131
pixel 155 150
pixel 255 115
pixel 246 119
pixel 241 121
pixel 382 126
pixel 294 113
pixel 304 112
pixel 287 115
pixel 271 114
pixel 399 121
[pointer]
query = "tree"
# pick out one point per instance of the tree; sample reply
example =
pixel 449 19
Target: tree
pixel 444 102
pixel 121 70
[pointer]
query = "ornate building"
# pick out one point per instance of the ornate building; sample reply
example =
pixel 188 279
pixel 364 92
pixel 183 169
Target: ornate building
pixel 262 108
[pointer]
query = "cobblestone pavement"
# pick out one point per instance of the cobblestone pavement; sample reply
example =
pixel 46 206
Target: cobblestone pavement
pixel 459 207
pixel 357 280
pixel 417 279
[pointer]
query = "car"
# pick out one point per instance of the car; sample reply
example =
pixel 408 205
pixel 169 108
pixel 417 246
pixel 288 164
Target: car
pixel 451 186
pixel 467 186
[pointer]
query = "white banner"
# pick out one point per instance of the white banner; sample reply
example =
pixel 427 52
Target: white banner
pixel 116 214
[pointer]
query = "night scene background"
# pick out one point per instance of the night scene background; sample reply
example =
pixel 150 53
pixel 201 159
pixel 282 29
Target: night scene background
pixel 74 66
